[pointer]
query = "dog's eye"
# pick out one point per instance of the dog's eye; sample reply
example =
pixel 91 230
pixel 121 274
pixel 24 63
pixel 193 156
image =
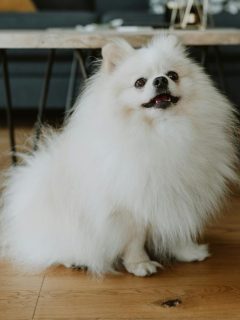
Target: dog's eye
pixel 140 83
pixel 173 75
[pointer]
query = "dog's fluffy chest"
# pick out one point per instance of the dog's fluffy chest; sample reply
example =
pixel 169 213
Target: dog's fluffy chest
pixel 164 177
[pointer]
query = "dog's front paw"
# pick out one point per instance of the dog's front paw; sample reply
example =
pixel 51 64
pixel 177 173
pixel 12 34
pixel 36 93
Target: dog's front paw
pixel 192 252
pixel 143 269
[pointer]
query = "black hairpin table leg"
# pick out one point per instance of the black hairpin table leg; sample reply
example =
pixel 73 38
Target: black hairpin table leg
pixel 44 96
pixel 72 81
pixel 220 69
pixel 204 52
pixel 77 62
pixel 81 63
pixel 9 110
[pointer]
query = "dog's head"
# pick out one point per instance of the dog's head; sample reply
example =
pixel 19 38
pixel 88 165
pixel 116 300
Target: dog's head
pixel 155 80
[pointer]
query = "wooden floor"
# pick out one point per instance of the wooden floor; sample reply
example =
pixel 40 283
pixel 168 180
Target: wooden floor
pixel 208 290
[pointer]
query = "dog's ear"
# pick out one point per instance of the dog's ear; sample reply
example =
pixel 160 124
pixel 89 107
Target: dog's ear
pixel 114 52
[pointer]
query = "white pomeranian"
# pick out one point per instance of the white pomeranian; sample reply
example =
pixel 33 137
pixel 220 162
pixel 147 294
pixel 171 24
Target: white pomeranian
pixel 144 160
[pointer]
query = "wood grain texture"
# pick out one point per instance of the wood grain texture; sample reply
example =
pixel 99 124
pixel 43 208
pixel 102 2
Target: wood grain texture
pixel 18 293
pixel 17 305
pixel 23 142
pixel 208 290
pixel 70 38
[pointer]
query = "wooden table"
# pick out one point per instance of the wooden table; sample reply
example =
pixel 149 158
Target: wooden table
pixel 74 39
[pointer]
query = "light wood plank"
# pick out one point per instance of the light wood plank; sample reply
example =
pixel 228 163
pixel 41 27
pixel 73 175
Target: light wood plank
pixel 17 305
pixel 201 302
pixel 23 142
pixel 208 290
pixel 71 38
pixel 13 279
pixel 18 293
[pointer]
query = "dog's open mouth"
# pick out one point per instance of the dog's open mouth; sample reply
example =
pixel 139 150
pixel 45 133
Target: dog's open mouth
pixel 161 101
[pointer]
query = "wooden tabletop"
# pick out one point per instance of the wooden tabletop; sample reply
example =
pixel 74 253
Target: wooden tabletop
pixel 72 38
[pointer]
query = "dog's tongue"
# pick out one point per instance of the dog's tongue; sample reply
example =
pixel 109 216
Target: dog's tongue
pixel 160 98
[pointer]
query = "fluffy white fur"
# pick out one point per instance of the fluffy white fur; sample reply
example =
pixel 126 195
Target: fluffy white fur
pixel 119 174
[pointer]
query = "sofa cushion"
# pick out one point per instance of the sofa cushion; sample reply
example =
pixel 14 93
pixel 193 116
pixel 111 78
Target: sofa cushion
pixel 64 4
pixel 136 18
pixel 102 6
pixel 46 19
pixel 225 19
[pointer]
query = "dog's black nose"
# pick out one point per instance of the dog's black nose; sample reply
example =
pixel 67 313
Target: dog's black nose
pixel 160 83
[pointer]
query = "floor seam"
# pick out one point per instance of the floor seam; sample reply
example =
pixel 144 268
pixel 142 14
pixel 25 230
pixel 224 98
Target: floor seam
pixel 39 293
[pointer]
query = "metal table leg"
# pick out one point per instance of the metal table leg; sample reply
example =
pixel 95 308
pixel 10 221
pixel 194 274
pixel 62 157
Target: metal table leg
pixel 9 110
pixel 71 85
pixel 77 61
pixel 220 68
pixel 219 65
pixel 44 96
pixel 81 63
pixel 204 52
